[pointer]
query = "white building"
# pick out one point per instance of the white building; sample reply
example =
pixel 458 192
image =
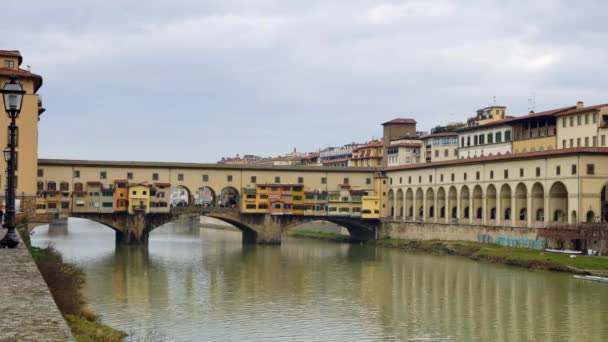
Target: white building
pixel 490 139
pixel 440 147
pixel 337 156
pixel 404 152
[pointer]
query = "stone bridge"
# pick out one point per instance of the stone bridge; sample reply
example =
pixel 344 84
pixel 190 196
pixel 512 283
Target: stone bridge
pixel 256 228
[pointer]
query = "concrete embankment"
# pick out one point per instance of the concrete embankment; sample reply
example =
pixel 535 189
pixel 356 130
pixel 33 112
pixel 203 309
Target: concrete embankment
pixel 505 245
pixel 506 236
pixel 29 312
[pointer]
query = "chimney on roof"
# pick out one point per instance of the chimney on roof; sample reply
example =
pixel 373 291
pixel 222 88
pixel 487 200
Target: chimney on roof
pixel 531 112
pixel 580 104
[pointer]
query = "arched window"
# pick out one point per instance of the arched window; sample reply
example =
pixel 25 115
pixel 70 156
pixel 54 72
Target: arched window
pixel 64 186
pixel 78 187
pixel 51 186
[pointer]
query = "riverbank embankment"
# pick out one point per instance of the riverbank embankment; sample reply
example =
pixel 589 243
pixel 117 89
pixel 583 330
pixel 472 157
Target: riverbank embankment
pixel 29 312
pixel 65 282
pixel 522 257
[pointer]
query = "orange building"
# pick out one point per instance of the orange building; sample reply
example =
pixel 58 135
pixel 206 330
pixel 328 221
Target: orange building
pixel 121 195
pixel 281 199
pixel 368 155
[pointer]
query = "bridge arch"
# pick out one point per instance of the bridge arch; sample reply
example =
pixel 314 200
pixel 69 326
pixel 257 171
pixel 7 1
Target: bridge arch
pixel 230 198
pixel 181 196
pixel 205 197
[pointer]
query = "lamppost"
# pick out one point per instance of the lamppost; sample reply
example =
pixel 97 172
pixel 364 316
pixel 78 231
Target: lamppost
pixel 13 99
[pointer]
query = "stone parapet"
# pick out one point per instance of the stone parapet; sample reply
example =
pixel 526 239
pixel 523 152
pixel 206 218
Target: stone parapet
pixel 29 312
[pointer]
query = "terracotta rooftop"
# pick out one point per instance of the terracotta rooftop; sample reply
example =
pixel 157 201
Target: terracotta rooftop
pixel 20 73
pixel 181 165
pixel 513 119
pixel 280 184
pixel 400 121
pixel 512 156
pixel 575 110
pixel 406 145
pixel 442 134
pixel 377 143
pixel 331 161
pixel 12 53
pixel 311 156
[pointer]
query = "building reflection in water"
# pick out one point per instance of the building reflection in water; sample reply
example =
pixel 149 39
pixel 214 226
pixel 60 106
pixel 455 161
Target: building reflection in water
pixel 194 284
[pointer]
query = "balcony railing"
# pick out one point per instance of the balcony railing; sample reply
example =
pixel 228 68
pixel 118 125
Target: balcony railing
pixel 139 208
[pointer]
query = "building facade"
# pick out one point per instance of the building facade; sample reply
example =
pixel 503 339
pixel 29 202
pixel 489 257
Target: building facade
pixel 368 155
pixel 337 156
pixel 27 134
pixel 404 152
pixel 583 126
pixel 439 147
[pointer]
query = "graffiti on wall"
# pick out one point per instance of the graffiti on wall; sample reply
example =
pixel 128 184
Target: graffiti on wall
pixel 510 241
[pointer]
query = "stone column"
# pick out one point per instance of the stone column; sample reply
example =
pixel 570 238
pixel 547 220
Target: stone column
pixel 514 217
pixel 457 205
pixel 436 206
pixel 484 206
pixel 499 212
pixel 530 209
pixel 424 208
pixel 414 210
pixel 547 211
pixel 403 217
pixel 471 209
pixel 395 207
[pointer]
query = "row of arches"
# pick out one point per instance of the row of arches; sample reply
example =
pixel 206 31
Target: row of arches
pixel 180 195
pixel 205 196
pixel 521 205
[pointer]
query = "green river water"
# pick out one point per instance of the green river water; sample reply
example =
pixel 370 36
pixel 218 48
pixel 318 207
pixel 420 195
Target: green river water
pixel 202 284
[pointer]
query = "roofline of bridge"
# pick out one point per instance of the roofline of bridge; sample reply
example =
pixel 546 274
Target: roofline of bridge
pixel 176 165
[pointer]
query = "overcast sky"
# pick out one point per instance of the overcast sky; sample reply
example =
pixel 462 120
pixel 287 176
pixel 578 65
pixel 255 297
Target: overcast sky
pixel 195 80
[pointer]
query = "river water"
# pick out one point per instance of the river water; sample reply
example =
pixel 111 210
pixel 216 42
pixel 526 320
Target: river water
pixel 201 284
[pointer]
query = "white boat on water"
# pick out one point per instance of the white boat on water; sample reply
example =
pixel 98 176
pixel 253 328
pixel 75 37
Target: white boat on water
pixel 563 251
pixel 592 278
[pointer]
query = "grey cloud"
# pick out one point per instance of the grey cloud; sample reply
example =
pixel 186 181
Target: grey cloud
pixel 205 79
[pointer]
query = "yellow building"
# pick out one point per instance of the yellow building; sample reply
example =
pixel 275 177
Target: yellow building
pixel 488 115
pixel 315 203
pixel 298 206
pixel 370 207
pixel 27 135
pixel 583 126
pixel 249 200
pixel 368 155
pixel 160 194
pixel 139 198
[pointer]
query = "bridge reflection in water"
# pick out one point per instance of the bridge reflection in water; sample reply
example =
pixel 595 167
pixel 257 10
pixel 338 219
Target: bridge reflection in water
pixel 205 284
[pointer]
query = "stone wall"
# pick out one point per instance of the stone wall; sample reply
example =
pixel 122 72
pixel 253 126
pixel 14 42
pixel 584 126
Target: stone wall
pixel 507 236
pixel 29 312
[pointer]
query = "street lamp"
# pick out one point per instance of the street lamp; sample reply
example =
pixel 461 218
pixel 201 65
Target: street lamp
pixel 7 154
pixel 12 92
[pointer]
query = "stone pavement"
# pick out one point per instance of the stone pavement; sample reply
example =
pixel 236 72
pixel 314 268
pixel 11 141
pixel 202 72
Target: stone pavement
pixel 27 309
